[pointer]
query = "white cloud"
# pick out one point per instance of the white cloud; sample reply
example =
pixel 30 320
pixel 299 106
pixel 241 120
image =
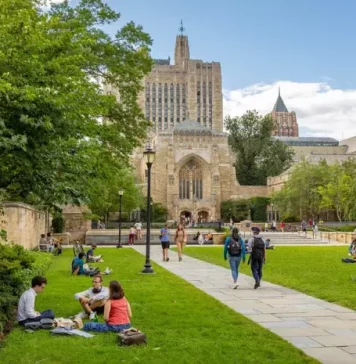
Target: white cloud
pixel 321 110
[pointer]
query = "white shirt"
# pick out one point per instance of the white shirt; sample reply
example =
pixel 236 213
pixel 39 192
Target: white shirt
pixel 138 225
pixel 102 295
pixel 26 308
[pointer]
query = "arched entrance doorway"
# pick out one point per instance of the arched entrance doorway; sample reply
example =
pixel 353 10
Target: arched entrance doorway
pixel 185 217
pixel 203 216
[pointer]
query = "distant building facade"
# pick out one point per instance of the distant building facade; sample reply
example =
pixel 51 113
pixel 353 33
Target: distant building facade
pixel 285 122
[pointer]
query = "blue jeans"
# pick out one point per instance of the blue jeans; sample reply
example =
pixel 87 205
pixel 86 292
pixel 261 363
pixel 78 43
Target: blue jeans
pixel 99 327
pixel 234 266
pixel 44 314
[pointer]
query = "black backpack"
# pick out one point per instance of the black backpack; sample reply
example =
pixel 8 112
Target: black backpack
pixel 234 247
pixel 258 249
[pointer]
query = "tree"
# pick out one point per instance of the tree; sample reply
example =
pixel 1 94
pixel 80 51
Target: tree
pixel 59 131
pixel 104 193
pixel 301 195
pixel 258 154
pixel 339 192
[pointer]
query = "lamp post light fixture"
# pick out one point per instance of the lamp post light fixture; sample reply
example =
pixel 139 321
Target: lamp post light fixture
pixel 121 192
pixel 149 155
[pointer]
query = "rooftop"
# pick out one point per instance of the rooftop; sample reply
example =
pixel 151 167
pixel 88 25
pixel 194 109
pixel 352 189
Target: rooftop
pixel 308 141
pixel 279 106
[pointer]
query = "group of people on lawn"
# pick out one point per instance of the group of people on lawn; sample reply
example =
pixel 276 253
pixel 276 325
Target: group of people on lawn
pixel 109 301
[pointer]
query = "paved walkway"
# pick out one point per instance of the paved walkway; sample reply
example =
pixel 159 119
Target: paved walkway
pixel 322 330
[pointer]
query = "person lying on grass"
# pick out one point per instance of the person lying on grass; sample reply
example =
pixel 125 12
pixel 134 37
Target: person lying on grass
pixel 117 312
pixel 93 299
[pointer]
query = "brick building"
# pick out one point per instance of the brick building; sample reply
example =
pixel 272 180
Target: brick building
pixel 285 122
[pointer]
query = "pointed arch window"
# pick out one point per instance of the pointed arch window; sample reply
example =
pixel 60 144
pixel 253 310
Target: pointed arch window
pixel 191 181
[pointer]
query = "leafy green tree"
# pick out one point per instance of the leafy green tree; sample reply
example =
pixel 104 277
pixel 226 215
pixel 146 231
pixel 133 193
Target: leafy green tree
pixel 301 194
pixel 104 193
pixel 59 131
pixel 339 192
pixel 258 154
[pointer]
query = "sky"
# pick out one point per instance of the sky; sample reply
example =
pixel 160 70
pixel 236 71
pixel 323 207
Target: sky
pixel 306 47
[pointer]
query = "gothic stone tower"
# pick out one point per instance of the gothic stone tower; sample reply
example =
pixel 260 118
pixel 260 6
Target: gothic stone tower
pixel 193 171
pixel 285 122
pixel 189 89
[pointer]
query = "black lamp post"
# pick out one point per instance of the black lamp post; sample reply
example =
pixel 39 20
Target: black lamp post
pixel 272 211
pixel 149 155
pixel 151 203
pixel 121 192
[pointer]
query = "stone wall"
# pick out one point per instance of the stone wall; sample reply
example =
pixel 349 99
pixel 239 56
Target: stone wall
pixel 75 223
pixel 24 224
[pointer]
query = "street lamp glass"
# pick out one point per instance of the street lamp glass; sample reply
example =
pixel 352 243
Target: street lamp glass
pixel 149 154
pixel 121 192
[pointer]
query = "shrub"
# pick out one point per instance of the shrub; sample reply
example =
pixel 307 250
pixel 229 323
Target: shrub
pixel 17 267
pixel 58 224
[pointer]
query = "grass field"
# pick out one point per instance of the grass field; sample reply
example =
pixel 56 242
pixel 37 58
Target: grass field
pixel 317 271
pixel 183 324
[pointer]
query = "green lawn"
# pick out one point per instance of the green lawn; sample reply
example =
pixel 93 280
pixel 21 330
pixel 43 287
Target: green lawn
pixel 317 271
pixel 183 324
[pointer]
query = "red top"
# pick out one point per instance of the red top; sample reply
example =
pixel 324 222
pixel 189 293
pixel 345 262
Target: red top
pixel 118 313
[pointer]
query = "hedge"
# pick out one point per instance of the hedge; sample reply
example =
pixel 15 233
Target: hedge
pixel 17 267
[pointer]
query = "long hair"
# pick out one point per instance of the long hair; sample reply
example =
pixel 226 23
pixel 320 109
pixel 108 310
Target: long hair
pixel 116 291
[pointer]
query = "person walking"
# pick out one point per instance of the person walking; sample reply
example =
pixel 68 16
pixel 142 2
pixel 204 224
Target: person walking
pixel 282 226
pixel 235 250
pixel 180 239
pixel 132 234
pixel 164 237
pixel 257 247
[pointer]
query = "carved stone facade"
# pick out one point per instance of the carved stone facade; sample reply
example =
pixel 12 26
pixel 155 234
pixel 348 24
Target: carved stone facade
pixel 194 167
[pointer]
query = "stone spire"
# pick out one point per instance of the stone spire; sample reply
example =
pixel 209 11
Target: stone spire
pixel 181 51
pixel 280 106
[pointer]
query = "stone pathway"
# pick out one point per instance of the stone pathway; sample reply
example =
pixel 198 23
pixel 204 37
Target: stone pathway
pixel 322 330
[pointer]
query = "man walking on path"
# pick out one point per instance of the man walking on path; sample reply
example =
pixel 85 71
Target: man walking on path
pixel 257 247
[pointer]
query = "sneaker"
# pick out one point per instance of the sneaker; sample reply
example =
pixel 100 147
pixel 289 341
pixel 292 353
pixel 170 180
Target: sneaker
pixel 167 260
pixel 180 259
pixel 257 284
pixel 106 270
pixel 92 315
pixel 81 315
pixel 235 286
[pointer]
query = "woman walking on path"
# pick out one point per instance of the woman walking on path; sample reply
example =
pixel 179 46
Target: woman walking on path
pixel 117 312
pixel 235 250
pixel 180 239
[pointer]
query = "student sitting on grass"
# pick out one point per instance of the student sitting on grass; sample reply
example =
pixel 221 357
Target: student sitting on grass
pixel 93 299
pixel 26 309
pixel 78 265
pixel 90 255
pixel 117 312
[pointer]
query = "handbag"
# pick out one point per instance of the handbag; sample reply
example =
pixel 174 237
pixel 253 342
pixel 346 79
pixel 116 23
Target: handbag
pixel 131 336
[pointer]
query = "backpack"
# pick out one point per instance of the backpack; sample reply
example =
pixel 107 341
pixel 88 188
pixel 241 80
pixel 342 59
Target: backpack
pixel 234 247
pixel 132 336
pixel 258 249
